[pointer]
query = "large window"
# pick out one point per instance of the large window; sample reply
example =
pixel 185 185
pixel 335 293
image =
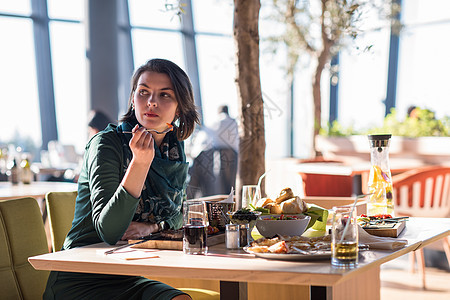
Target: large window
pixel 19 91
pixel 363 81
pixel 424 64
pixel 149 44
pixel 157 31
pixel 217 73
pixel 18 84
pixel 69 78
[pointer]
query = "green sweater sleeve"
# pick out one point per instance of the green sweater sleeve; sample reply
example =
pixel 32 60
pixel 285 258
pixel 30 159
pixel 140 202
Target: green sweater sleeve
pixel 112 206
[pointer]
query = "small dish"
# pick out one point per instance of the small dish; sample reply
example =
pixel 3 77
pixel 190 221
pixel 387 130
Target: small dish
pixel 250 219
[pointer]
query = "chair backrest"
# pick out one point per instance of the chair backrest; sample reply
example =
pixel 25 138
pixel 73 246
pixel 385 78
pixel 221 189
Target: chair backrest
pixel 60 208
pixel 423 192
pixel 22 235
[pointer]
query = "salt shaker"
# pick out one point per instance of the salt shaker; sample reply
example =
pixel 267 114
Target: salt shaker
pixel 232 236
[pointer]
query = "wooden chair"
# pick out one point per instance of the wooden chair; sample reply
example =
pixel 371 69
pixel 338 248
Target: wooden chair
pixel 423 192
pixel 22 235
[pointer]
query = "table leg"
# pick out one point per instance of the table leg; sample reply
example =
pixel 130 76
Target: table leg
pixel 233 290
pixel 318 292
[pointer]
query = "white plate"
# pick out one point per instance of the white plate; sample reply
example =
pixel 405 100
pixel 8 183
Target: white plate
pixel 314 255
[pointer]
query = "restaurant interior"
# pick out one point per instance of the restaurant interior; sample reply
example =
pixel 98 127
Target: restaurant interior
pixel 381 69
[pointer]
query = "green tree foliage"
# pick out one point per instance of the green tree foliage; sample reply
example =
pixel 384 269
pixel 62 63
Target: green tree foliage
pixel 422 122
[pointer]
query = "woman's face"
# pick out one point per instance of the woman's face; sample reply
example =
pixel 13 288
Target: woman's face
pixel 154 100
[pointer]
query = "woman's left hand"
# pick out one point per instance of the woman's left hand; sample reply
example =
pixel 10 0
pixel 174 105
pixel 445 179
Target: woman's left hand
pixel 139 229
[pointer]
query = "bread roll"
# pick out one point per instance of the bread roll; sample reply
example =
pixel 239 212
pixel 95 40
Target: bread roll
pixel 304 205
pixel 293 206
pixel 285 194
pixel 263 202
pixel 275 209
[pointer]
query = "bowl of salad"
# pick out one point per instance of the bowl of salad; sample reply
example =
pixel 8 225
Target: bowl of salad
pixel 290 225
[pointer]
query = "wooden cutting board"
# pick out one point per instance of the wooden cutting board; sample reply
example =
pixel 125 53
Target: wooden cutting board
pixel 176 244
pixel 386 230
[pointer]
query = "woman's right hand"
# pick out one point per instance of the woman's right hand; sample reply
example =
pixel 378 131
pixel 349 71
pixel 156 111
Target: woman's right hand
pixel 141 145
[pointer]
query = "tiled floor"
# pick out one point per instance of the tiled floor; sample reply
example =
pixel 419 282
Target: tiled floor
pixel 397 282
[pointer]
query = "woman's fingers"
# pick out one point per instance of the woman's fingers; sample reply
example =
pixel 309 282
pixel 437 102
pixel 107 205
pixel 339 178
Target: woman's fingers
pixel 141 137
pixel 142 144
pixel 139 229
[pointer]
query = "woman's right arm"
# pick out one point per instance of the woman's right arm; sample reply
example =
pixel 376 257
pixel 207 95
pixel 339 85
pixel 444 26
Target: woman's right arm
pixel 114 199
pixel 142 147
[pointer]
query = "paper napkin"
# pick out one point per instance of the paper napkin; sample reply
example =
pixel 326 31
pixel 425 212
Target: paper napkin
pixel 378 242
pixel 230 197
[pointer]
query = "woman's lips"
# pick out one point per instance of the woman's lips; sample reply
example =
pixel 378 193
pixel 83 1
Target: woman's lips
pixel 151 115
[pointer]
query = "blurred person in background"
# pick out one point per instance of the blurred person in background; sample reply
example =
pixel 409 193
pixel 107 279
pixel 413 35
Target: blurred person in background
pixel 97 122
pixel 215 157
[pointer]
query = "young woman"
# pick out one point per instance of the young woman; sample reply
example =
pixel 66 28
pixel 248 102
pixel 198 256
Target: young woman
pixel 132 183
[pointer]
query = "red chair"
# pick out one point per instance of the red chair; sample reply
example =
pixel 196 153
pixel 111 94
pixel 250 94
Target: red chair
pixel 423 192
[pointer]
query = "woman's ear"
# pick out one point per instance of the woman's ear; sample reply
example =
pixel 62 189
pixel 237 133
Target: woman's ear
pixel 176 120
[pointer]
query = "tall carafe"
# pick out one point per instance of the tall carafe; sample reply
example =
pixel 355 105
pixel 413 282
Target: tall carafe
pixel 380 179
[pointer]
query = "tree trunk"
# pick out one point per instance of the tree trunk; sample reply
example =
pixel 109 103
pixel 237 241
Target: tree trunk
pixel 252 143
pixel 322 59
pixel 317 99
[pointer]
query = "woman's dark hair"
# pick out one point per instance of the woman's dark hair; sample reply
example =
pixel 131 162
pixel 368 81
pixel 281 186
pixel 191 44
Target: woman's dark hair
pixel 184 94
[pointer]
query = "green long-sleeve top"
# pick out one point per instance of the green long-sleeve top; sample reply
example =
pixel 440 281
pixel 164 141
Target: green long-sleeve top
pixel 104 209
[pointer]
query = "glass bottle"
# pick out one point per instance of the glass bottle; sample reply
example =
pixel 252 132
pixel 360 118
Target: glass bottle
pixel 380 179
pixel 13 171
pixel 3 164
pixel 27 174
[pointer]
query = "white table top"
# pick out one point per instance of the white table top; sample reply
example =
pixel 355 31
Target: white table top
pixel 36 189
pixel 225 265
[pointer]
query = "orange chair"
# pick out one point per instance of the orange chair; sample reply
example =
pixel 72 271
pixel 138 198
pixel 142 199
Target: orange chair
pixel 423 192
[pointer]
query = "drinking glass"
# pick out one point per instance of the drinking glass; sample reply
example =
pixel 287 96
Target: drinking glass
pixel 344 237
pixel 195 227
pixel 250 195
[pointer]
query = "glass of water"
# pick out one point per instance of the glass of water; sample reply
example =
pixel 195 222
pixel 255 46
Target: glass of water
pixel 250 195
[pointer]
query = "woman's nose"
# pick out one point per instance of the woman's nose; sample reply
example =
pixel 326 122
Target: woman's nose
pixel 152 100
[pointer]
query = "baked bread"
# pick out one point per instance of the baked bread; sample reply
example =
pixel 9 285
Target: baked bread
pixel 284 195
pixel 263 202
pixel 275 209
pixel 294 206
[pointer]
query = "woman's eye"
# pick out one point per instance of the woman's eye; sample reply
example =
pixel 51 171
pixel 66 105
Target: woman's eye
pixel 165 95
pixel 143 92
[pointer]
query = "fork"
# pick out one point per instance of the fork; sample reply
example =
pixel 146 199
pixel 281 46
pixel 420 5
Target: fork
pixel 152 236
pixel 169 128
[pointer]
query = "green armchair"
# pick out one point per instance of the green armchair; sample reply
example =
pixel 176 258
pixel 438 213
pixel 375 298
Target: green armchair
pixel 22 235
pixel 60 209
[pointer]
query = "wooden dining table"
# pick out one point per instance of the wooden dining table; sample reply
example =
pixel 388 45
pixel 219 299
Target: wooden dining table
pixel 242 274
pixel 36 189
